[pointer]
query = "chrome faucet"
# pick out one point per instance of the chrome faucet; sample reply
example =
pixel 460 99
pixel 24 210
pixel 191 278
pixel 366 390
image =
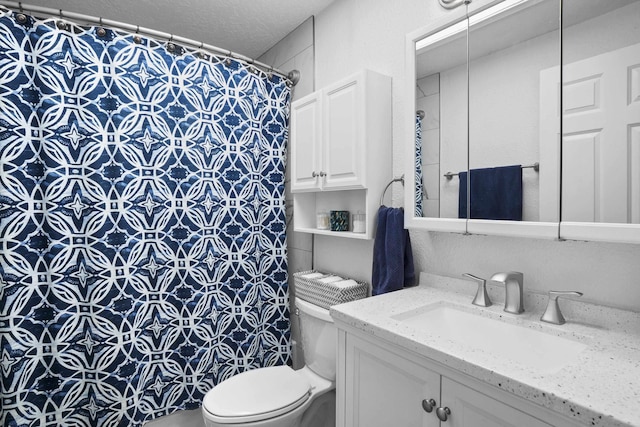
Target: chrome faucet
pixel 513 282
pixel 553 314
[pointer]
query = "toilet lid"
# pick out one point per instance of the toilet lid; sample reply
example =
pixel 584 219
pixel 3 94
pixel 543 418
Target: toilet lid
pixel 257 394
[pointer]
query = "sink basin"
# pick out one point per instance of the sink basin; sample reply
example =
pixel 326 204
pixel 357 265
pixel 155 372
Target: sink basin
pixel 543 352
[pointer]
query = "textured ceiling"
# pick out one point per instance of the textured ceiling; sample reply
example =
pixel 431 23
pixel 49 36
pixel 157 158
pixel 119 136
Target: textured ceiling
pixel 248 27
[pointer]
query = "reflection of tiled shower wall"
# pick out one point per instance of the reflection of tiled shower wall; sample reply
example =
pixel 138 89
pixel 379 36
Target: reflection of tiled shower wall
pixel 295 52
pixel 428 100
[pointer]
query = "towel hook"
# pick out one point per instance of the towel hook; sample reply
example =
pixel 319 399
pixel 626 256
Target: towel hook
pixel 401 179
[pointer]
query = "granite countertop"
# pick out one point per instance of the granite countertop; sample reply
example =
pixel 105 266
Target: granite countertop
pixel 601 387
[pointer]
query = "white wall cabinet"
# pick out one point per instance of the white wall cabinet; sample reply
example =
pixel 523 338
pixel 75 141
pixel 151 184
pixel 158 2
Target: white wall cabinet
pixel 383 385
pixel 306 140
pixel 341 150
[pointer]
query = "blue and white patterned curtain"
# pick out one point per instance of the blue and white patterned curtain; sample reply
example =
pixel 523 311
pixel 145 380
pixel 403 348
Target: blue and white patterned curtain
pixel 419 183
pixel 142 224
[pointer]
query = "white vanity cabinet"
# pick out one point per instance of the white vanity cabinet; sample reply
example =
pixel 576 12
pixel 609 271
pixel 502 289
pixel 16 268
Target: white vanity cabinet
pixel 382 388
pixel 341 150
pixel 384 385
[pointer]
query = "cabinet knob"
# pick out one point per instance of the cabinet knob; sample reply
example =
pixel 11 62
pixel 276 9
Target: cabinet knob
pixel 323 173
pixel 443 413
pixel 428 405
pixel 314 174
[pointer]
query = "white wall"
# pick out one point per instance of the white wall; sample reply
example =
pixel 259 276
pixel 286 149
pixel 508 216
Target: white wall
pixel 355 34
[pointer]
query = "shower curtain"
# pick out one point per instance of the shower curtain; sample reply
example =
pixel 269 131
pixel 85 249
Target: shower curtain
pixel 419 192
pixel 142 224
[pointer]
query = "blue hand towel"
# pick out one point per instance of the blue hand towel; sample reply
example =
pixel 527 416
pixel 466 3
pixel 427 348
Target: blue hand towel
pixel 392 256
pixel 496 193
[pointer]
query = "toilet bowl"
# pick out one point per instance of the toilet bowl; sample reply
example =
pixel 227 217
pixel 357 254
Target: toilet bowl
pixel 279 396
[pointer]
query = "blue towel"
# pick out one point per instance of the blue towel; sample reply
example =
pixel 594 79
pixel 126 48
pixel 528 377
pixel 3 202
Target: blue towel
pixel 392 256
pixel 496 193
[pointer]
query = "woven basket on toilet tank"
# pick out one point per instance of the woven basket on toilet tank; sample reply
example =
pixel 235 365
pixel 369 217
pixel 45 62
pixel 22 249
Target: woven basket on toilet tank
pixel 326 289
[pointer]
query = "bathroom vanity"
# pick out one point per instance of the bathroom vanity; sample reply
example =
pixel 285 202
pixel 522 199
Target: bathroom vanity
pixel 425 356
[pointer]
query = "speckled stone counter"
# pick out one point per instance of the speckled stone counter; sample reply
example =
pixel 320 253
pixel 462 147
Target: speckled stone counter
pixel 600 388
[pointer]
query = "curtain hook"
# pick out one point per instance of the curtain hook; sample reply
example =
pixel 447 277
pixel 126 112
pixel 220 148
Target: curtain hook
pixel 21 17
pixel 137 39
pixel 101 31
pixel 61 24
pixel 201 55
pixel 170 46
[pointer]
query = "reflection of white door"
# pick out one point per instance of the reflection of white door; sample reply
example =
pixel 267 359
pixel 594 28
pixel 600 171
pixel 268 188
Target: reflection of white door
pixel 601 138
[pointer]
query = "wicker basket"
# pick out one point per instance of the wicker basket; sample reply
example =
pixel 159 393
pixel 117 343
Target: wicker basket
pixel 327 294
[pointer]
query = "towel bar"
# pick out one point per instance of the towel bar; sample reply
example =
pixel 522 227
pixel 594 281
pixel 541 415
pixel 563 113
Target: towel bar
pixel 535 167
pixel 401 179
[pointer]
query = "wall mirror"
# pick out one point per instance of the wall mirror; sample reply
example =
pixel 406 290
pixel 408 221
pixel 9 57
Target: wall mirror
pixel 601 120
pixel 503 147
pixel 441 114
pixel 437 135
pixel 478 83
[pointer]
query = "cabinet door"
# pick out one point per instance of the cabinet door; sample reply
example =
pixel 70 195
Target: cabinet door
pixel 383 389
pixel 306 140
pixel 470 408
pixel 343 154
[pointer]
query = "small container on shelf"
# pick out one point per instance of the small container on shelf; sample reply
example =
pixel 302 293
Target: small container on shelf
pixel 339 220
pixel 359 222
pixel 322 220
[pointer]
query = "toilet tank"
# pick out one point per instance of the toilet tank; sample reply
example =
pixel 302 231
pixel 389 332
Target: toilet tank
pixel 319 339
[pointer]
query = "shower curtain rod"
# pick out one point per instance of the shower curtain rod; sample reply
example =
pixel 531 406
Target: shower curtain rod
pixel 292 76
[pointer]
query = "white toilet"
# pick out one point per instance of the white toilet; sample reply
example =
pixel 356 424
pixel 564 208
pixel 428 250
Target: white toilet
pixel 278 396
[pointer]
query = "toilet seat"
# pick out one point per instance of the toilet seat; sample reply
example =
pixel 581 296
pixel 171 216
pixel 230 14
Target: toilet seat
pixel 257 395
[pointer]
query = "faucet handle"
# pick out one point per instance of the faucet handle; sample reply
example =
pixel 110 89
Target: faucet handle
pixel 553 314
pixel 482 298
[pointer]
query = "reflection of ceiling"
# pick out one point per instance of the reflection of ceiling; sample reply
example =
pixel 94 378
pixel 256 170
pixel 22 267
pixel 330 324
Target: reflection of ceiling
pixel 536 18
pixel 576 11
pixel 248 27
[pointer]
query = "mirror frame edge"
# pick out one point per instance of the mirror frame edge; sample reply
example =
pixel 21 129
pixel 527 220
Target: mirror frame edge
pixel 529 229
pixel 600 232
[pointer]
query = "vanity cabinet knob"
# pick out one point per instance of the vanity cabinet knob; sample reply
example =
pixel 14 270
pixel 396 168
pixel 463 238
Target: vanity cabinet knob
pixel 443 413
pixel 322 174
pixel 428 405
pixel 314 174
